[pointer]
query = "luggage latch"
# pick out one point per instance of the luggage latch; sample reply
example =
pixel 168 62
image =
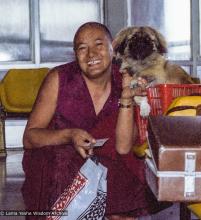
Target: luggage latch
pixel 189 179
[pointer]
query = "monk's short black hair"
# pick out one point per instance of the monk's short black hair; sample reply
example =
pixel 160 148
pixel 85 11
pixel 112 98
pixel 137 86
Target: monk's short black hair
pixel 92 24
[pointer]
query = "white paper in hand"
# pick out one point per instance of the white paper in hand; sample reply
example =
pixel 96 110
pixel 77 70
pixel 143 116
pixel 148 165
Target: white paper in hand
pixel 100 142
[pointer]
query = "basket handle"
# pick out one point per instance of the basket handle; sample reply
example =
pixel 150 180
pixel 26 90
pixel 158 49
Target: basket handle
pixel 185 107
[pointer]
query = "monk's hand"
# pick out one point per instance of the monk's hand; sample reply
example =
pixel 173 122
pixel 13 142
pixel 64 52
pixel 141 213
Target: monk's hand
pixel 83 142
pixel 126 79
pixel 128 92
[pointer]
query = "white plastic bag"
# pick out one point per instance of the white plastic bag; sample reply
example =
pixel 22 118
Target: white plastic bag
pixel 85 198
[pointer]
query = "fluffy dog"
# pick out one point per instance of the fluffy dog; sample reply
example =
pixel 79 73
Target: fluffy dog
pixel 141 50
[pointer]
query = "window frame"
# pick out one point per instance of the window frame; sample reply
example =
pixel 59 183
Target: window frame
pixel 195 40
pixel 35 61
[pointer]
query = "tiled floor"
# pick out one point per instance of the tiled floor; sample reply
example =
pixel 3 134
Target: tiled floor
pixel 12 177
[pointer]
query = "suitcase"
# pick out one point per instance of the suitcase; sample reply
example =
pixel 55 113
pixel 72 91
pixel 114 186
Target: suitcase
pixel 174 171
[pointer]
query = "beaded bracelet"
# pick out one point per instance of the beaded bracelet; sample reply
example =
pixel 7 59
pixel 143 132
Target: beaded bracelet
pixel 121 105
pixel 125 106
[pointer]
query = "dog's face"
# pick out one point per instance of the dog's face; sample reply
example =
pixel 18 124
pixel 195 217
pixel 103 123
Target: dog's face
pixel 135 44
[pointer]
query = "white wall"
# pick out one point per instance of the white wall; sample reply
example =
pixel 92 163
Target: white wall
pixel 14 130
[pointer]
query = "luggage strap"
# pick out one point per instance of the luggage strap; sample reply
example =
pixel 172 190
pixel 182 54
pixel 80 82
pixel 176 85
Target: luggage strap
pixel 185 107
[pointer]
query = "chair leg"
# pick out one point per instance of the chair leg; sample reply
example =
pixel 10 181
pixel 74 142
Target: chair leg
pixel 185 213
pixel 2 139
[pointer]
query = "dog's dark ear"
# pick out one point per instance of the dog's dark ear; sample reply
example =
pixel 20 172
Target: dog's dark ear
pixel 120 40
pixel 161 42
pixel 119 48
pixel 162 45
pixel 161 49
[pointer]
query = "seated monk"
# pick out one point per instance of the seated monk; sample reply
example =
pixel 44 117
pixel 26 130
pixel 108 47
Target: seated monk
pixel 77 103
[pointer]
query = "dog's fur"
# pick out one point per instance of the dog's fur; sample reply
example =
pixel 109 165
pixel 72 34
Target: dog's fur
pixel 141 50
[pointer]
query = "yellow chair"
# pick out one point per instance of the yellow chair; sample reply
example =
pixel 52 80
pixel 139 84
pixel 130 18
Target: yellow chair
pixel 19 88
pixel 18 91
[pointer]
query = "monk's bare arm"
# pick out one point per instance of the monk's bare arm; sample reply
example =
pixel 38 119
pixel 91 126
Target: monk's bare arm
pixel 126 129
pixel 36 133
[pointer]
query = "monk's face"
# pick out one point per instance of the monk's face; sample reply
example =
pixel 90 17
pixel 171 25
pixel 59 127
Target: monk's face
pixel 94 52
